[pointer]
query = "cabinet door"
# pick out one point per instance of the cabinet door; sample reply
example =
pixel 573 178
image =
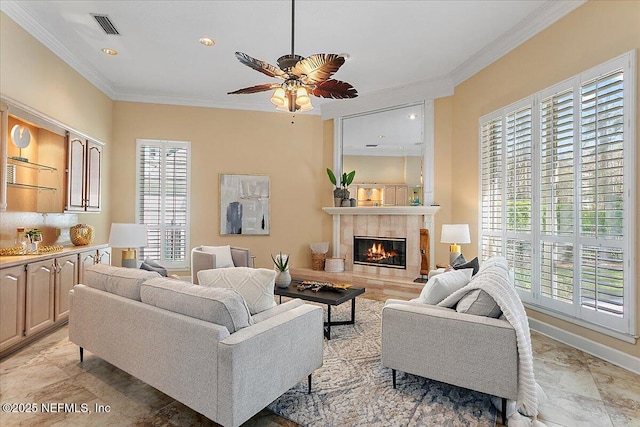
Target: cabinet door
pixel 39 296
pixel 12 289
pixel 66 278
pixel 93 170
pixel 402 195
pixel 76 173
pixel 389 196
pixel 104 256
pixel 86 259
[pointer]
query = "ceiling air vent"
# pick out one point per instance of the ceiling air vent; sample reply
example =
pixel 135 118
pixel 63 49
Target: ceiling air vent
pixel 106 24
pixel 371 145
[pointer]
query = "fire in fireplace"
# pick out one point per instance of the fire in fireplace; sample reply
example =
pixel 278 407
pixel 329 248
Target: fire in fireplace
pixel 390 252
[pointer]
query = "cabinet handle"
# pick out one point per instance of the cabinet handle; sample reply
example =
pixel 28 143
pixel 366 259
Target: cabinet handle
pixel 11 277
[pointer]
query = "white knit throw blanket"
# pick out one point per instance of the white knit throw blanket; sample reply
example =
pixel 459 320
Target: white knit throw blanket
pixel 495 281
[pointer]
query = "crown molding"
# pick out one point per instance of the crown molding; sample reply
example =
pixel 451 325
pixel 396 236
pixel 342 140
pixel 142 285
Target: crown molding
pixel 20 14
pixel 542 18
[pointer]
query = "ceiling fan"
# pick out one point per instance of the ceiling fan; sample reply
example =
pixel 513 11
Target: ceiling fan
pixel 300 77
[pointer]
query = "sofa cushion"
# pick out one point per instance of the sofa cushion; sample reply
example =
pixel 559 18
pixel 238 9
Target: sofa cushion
pixel 222 253
pixel 254 284
pixel 469 264
pixel 224 307
pixel 150 265
pixel 479 303
pixel 121 281
pixel 441 286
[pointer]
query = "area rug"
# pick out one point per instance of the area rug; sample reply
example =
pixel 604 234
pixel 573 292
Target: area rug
pixel 352 388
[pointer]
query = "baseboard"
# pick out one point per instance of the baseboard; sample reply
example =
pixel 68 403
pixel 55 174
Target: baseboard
pixel 617 357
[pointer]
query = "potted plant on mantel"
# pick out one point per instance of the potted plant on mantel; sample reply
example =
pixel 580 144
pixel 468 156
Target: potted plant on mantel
pixel 281 262
pixel 341 193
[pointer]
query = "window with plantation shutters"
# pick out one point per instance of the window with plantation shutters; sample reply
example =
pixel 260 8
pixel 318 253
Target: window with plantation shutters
pixel 162 200
pixel 557 170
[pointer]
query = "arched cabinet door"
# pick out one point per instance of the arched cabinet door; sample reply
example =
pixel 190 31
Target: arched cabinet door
pixel 40 296
pixel 66 278
pixel 84 171
pixel 12 288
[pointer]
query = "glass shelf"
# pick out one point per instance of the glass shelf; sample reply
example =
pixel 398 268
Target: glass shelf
pixel 19 161
pixel 35 187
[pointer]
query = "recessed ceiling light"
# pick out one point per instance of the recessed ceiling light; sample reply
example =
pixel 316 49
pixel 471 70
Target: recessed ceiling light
pixel 380 136
pixel 412 116
pixel 108 51
pixel 207 41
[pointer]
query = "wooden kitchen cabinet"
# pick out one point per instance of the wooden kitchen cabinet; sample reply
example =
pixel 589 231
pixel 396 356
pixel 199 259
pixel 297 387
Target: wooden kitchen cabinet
pixel 12 305
pixel 40 288
pixel 84 173
pixel 89 258
pixel 66 277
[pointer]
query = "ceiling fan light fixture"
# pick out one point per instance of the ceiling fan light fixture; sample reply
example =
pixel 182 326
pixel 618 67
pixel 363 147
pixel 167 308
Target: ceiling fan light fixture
pixel 306 107
pixel 302 97
pixel 278 98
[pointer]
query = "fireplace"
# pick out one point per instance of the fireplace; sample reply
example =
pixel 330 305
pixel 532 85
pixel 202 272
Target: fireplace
pixel 389 252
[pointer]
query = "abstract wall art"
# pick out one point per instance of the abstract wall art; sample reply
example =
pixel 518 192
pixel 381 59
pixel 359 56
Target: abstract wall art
pixel 244 204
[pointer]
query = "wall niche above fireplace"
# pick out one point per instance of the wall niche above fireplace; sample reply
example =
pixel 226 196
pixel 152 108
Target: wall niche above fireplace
pixel 389 252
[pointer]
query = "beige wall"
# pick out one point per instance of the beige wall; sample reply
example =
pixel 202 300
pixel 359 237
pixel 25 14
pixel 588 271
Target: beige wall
pixel 32 75
pixel 592 34
pixel 233 141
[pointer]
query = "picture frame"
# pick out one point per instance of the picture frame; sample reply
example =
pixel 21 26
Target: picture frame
pixel 245 204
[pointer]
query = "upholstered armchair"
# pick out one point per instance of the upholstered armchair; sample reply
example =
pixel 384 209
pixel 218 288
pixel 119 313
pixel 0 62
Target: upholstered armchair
pixel 208 257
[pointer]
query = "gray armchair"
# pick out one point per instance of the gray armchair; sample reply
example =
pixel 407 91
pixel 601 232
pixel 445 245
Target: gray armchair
pixel 201 260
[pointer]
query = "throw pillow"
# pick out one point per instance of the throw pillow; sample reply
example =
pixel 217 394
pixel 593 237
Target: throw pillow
pixel 222 253
pixel 150 265
pixel 479 303
pixel 254 284
pixel 224 307
pixel 121 281
pixel 471 264
pixel 441 286
pixel 460 259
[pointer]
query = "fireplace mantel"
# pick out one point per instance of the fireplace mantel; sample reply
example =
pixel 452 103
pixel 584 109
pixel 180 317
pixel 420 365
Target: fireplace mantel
pixel 427 220
pixel 384 210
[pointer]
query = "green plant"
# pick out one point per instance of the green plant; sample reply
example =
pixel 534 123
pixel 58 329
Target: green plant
pixel 34 235
pixel 280 263
pixel 345 180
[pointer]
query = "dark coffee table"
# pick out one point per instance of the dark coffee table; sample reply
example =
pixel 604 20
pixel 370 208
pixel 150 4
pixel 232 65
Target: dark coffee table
pixel 323 297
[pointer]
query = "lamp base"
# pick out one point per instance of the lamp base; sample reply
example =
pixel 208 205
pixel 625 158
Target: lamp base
pixel 454 255
pixel 129 258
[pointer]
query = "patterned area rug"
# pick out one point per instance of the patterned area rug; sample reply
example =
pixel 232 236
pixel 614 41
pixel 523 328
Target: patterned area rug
pixel 352 388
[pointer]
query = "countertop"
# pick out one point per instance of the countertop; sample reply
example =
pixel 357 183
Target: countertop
pixel 11 261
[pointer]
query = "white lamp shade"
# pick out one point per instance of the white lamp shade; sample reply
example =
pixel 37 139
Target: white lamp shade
pixel 455 233
pixel 128 235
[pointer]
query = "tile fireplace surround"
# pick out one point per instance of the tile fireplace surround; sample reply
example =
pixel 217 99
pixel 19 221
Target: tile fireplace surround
pixel 392 221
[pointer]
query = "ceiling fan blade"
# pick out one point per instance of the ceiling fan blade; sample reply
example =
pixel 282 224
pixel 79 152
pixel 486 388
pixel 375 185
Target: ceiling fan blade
pixel 261 66
pixel 318 68
pixel 334 89
pixel 255 89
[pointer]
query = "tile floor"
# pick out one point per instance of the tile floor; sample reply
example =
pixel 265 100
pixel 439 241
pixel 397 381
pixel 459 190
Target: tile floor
pixel 582 390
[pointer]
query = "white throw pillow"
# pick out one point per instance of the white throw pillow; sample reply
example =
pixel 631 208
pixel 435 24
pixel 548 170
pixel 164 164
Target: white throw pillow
pixel 254 284
pixel 441 286
pixel 222 253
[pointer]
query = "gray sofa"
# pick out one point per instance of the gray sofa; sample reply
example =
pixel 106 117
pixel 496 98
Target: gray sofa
pixel 228 377
pixel 475 352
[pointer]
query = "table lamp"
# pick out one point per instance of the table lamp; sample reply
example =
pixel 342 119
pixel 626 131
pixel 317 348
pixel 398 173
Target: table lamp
pixel 455 234
pixel 131 237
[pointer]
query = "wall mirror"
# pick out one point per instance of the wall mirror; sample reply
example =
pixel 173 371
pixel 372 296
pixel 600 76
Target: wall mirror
pixel 386 148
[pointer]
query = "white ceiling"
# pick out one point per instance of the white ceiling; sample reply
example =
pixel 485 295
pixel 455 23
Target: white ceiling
pixel 391 44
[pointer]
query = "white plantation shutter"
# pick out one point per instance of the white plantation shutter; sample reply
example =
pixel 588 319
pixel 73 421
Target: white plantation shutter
pixel 557 198
pixel 518 143
pixel 492 176
pixel 602 194
pixel 556 174
pixel 162 196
